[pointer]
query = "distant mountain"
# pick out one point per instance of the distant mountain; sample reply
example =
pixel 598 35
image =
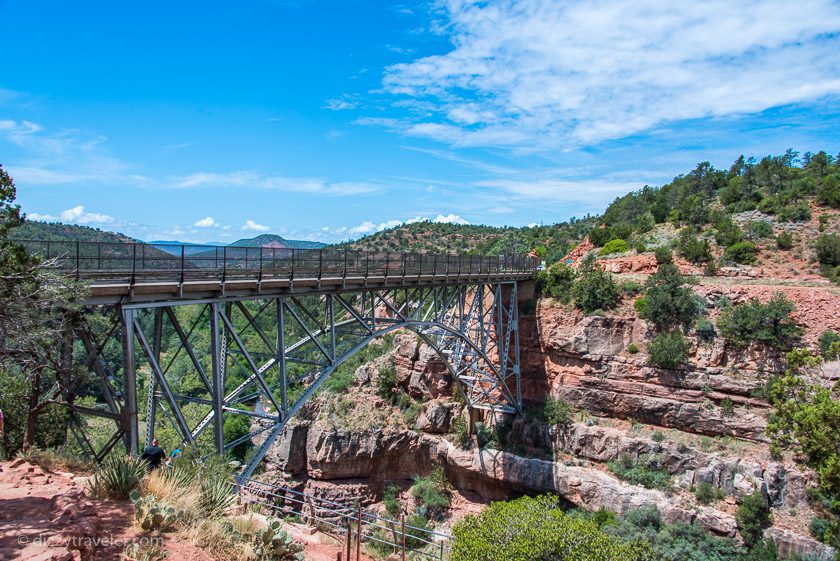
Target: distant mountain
pixel 56 231
pixel 176 242
pixel 275 241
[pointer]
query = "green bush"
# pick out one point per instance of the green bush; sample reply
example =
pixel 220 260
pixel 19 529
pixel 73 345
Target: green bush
pixel 695 250
pixel 462 433
pixel 557 411
pixel 727 232
pixel 829 345
pixel 117 477
pixel 829 192
pixel 727 407
pixel 668 350
pixel 758 229
pixel 386 381
pixel 667 302
pixel 706 493
pixel 797 212
pixel 828 250
pixel 614 246
pixel 741 252
pixel 391 500
pixel 599 236
pixel 632 348
pixel 770 324
pixel 663 255
pixel 784 241
pixel 705 330
pixel 535 529
pixel 486 437
pixel 432 490
pixel 556 282
pixel 658 437
pixel 644 471
pixel 753 517
pixel 594 288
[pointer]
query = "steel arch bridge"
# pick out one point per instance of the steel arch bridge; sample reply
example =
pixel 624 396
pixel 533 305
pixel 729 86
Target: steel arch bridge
pixel 263 328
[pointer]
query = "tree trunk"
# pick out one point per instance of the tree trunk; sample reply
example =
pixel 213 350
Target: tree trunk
pixel 33 411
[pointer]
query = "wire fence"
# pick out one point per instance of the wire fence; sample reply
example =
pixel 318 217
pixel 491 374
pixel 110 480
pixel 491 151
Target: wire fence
pixel 349 522
pixel 142 261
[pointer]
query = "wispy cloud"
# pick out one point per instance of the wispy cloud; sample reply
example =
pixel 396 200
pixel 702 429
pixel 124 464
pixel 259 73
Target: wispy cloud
pixel 250 225
pixel 541 75
pixel 257 180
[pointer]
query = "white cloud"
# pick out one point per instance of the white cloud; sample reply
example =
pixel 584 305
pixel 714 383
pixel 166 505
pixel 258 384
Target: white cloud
pixel 539 74
pixel 208 222
pixel 591 192
pixel 449 219
pixel 77 215
pixel 41 217
pixel 253 226
pixel 257 180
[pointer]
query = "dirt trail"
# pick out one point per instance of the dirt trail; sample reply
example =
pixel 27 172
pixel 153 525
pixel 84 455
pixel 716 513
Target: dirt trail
pixel 46 516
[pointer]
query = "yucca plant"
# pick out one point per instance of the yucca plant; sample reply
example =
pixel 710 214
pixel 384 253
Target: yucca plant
pixel 116 477
pixel 216 496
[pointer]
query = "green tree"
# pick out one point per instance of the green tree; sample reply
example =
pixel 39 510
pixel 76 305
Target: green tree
pixel 669 350
pixel 770 323
pixel 741 252
pixel 594 288
pixel 37 311
pixel 828 250
pixel 667 302
pixel 556 282
pixel 537 529
pixel 753 517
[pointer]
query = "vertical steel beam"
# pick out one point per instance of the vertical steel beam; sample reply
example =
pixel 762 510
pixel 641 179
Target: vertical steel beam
pixel 216 358
pixel 281 355
pixel 129 372
pixel 151 397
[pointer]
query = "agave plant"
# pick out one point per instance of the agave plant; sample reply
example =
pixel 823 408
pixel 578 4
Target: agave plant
pixel 216 496
pixel 116 477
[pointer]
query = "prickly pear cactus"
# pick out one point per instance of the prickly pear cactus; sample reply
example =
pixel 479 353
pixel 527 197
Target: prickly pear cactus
pixel 275 544
pixel 152 515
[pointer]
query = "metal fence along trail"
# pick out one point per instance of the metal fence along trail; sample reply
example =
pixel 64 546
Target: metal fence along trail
pixel 348 521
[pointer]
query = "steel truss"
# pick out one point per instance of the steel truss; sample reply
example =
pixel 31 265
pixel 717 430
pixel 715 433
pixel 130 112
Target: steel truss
pixel 265 358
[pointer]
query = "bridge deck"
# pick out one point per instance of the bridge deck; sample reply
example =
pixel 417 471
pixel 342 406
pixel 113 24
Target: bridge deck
pixel 135 273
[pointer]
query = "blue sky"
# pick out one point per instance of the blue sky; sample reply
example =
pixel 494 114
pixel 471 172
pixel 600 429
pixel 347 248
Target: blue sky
pixel 212 121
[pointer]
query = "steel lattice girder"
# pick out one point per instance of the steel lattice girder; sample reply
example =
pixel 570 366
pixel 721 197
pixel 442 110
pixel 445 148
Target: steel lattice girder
pixel 274 345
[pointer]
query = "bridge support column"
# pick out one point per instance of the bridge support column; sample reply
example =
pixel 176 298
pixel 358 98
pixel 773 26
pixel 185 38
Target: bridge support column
pixel 129 420
pixel 216 357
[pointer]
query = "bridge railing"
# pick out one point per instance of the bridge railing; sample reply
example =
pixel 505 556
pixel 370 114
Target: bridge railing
pixel 142 261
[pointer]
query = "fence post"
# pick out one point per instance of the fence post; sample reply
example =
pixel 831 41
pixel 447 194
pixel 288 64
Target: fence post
pixel 358 533
pixel 402 527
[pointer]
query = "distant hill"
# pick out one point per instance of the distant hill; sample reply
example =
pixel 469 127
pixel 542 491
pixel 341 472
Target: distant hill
pixel 275 241
pixel 56 231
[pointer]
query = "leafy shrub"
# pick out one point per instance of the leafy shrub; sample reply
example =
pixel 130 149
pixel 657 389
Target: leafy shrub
pixel 556 282
pixel 784 241
pixel 630 288
pixel 770 324
pixel 599 236
pixel 667 302
pixel 727 407
pixel 689 542
pixel 640 247
pixel 117 477
pixel 695 250
pixel 644 470
pixel 632 348
pixel 757 229
pixel 828 249
pixel 557 411
pixel 462 433
pixel 668 350
pixel 386 381
pixel 391 500
pixel 741 252
pixel 829 345
pixel 658 437
pixel 531 529
pixel 432 491
pixel 614 246
pixel 727 233
pixel 706 493
pixel 797 212
pixel 829 192
pixel 486 437
pixel 753 517
pixel 663 255
pixel 705 330
pixel 594 288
